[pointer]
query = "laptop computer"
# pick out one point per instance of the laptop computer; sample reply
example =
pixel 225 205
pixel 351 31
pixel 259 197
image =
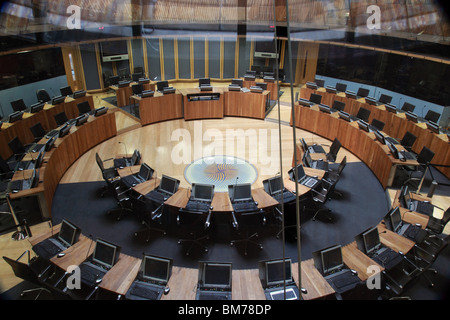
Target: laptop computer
pixel 152 278
pixel 167 187
pixel 316 164
pixel 241 197
pixel 402 155
pixel 214 281
pixel 24 184
pixel 298 174
pixel 105 256
pixel 145 173
pixel 274 186
pixel 65 238
pixel 201 198
pixel 276 279
pixel 407 202
pixel 394 222
pixel 128 161
pixel 330 263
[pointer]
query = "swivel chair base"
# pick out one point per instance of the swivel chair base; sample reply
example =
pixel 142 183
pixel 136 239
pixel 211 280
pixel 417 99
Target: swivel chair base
pixel 149 231
pixel 246 241
pixel 194 241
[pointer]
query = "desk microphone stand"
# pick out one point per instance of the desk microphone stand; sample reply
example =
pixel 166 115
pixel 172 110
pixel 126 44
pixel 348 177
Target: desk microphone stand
pixel 23 231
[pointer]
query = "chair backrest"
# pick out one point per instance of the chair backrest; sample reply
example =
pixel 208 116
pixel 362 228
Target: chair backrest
pixel 16 146
pixel 4 168
pixel 37 130
pixel 446 216
pixel 408 107
pixel 137 88
pixel 191 218
pixel 432 116
pixel 42 95
pixel 22 270
pixel 320 192
pixel 363 114
pixel 334 149
pixel 425 156
pixel 60 118
pixel 408 140
pixel 18 105
pixel 99 162
pixel 342 165
pixel 379 125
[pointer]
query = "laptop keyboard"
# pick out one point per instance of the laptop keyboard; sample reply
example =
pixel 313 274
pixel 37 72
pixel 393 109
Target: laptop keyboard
pixel 343 278
pixel 386 257
pixel 308 182
pixel 245 206
pixel 145 290
pixel 316 149
pixel 202 295
pixel 287 196
pixel 131 180
pixel 408 155
pixel 91 272
pixel 422 207
pixel 197 206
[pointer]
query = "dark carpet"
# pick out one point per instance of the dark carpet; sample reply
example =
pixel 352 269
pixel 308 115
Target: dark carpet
pixel 363 204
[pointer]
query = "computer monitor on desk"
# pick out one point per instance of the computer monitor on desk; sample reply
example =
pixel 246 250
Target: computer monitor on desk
pixel 368 241
pixel 160 85
pixel 35 108
pixel 240 192
pixel 238 82
pixel 274 275
pixel 315 98
pixel 202 192
pixel 66 91
pixel 341 87
pixel 214 281
pixel 385 99
pixel 58 99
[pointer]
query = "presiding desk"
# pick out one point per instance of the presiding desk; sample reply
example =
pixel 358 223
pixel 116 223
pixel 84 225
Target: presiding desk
pixel 199 104
pixel 160 107
pixel 123 94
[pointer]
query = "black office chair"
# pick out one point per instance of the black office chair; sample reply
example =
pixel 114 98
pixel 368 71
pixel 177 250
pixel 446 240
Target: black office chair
pixel 197 224
pixel 60 118
pixel 408 140
pixel 17 148
pixel 418 172
pixel 83 107
pixel 377 124
pixel 38 131
pixel 426 253
pixel 43 96
pixel 18 105
pixel 150 217
pixel 408 107
pixel 334 150
pixel 110 176
pixel 138 70
pixel 436 225
pixel 6 169
pixel 114 80
pixel 401 275
pixel 336 174
pixel 246 224
pixel 432 116
pixel 122 195
pixel 34 271
pixel 124 74
pixel 320 195
pixel 338 105
pixel 363 114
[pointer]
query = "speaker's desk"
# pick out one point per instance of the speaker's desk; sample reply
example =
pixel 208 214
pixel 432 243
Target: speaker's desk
pixel 199 104
pixel 123 94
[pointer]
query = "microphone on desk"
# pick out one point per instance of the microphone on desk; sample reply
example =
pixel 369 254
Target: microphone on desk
pixel 89 249
pixel 234 188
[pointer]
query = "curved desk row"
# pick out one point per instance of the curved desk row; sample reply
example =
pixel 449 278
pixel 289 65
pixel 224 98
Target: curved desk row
pixel 396 125
pixel 21 128
pixel 361 143
pixel 65 152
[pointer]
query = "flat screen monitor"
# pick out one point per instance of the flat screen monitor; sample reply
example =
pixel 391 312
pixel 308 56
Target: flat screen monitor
pixel 395 219
pixel 297 173
pixel 204 81
pixel 58 99
pixel 341 87
pixel 324 108
pixel 156 268
pixel 311 85
pixel 81 119
pixel 238 82
pixel 203 192
pixel 114 80
pixel 66 91
pixel 34 108
pixel 363 92
pixel 275 185
pixel 242 192
pixel 262 85
pixel 363 114
pixel 114 50
pixel 63 131
pixel 15 116
pixel 391 108
pixel 50 143
pixel 168 184
pixel 338 105
pixel 106 253
pixel 331 259
pixel 363 125
pixel 371 240
pixel 330 89
pixel 274 274
pixel 215 275
pixel 404 197
pixel 100 111
pixel 160 85
pixel 145 172
pixel 380 137
pixel 18 105
pixel 385 99
pixel 79 93
pixel 315 98
pixel 350 94
pixel 69 233
pixel 393 149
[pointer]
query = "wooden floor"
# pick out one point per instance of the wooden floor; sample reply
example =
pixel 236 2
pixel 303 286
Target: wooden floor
pixel 156 143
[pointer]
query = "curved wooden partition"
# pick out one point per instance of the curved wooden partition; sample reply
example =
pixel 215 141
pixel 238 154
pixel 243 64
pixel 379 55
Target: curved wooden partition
pixel 396 125
pixel 74 145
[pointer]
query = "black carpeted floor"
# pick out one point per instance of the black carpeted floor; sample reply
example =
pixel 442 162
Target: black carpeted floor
pixel 363 205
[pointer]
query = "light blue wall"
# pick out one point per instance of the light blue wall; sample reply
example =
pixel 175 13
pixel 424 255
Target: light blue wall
pixel 27 92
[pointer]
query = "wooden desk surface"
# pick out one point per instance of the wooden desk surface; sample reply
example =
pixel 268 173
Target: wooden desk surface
pixel 393 240
pixel 35 239
pixel 120 277
pixel 76 254
pixel 182 284
pixel 358 261
pixel 316 285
